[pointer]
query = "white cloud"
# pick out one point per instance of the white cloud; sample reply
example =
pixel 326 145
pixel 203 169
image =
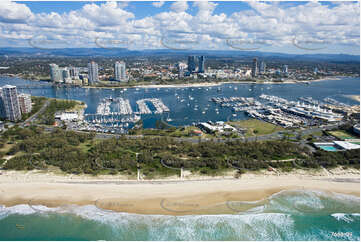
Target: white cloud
pixel 180 6
pixel 107 14
pixel 204 7
pixel 264 22
pixel 158 4
pixel 11 12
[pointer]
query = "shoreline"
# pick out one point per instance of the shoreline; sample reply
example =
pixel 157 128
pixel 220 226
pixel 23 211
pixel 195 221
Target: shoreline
pixel 214 84
pixel 198 84
pixel 353 97
pixel 164 197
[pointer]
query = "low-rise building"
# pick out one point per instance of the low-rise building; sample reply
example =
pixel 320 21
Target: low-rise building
pixel 197 132
pixel 67 116
pixel 219 126
pixel 346 145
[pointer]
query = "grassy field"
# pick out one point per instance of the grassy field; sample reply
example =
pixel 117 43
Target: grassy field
pixel 6 147
pixel 341 134
pixel 313 136
pixel 256 127
pixel 171 132
pixel 78 107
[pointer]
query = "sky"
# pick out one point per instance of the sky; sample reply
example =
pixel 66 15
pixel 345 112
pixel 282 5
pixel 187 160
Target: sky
pixel 285 27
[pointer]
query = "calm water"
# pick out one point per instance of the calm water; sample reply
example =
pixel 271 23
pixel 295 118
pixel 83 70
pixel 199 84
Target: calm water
pixel 288 215
pixel 182 112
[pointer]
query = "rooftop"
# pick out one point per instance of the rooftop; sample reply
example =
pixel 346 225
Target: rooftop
pixel 347 145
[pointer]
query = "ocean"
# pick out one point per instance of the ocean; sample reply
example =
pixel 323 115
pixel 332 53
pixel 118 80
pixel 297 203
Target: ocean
pixel 287 215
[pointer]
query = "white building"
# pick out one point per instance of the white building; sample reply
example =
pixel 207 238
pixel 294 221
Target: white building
pixel 56 74
pixel 2 107
pixel 182 67
pixel 11 103
pixel 67 116
pixel 66 75
pixel 119 71
pixel 346 145
pixel 74 72
pixel 219 126
pixel 93 75
pixel 24 102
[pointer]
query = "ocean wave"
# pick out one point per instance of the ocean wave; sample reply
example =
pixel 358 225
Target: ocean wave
pixel 187 227
pixel 22 209
pixel 254 226
pixel 300 202
pixel 348 218
pixel 276 218
pixel 192 227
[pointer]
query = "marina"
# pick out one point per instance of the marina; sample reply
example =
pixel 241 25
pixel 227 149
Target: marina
pixel 115 115
pixel 196 106
pixel 143 107
pixel 156 102
pixel 104 108
pixel 124 106
pixel 280 111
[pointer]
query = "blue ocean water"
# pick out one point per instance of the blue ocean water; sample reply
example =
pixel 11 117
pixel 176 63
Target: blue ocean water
pixel 287 215
pixel 182 109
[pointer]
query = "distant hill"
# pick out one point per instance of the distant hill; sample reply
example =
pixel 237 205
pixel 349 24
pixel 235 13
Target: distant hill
pixel 24 51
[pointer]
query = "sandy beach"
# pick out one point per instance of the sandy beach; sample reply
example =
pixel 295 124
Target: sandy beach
pixel 201 195
pixel 354 97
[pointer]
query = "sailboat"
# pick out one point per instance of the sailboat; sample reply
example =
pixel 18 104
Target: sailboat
pixel 168 119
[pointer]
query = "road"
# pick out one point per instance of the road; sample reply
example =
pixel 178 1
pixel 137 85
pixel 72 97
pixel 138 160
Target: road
pixel 35 115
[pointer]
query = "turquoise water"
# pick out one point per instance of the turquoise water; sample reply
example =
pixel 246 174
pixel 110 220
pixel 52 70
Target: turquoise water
pixel 288 215
pixel 328 148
